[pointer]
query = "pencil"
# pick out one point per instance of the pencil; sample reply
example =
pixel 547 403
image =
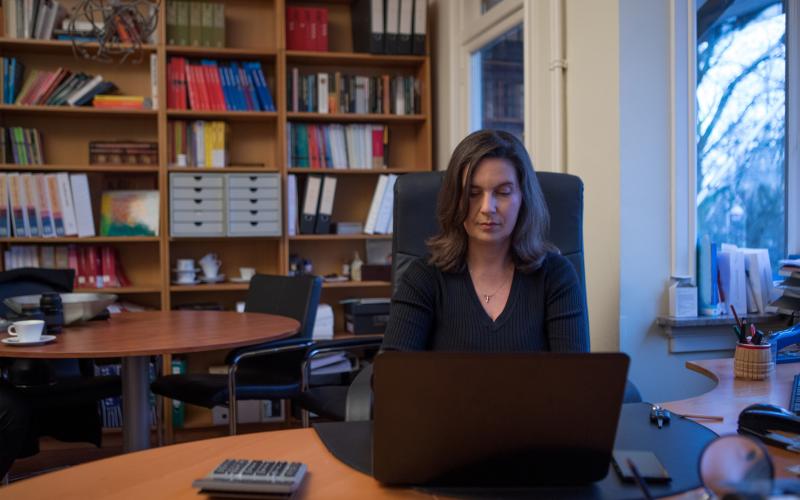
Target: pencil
pixel 640 481
pixel 716 418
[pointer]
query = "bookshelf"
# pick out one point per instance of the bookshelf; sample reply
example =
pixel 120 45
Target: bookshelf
pixel 257 144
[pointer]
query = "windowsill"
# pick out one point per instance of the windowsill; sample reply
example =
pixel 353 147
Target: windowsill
pixel 710 333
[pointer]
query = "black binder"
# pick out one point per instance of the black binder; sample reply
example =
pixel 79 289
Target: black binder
pixel 420 27
pixel 327 194
pixel 308 218
pixel 391 26
pixel 368 26
pixel 405 26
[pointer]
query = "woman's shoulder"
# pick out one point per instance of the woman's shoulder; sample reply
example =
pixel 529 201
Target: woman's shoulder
pixel 421 267
pixel 554 263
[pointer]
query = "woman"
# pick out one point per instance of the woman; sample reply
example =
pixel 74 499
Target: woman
pixel 491 281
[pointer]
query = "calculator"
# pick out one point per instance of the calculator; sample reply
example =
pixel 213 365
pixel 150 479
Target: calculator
pixel 261 477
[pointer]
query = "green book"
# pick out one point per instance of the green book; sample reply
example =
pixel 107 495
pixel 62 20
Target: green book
pixel 172 22
pixel 195 23
pixel 218 38
pixel 178 409
pixel 182 22
pixel 207 25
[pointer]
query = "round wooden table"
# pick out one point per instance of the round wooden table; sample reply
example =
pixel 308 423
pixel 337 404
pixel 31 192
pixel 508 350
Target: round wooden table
pixel 136 336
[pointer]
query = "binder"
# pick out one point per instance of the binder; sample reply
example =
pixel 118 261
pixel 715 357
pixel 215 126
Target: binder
pixel 67 205
pixel 374 207
pixel 367 16
pixel 83 204
pixel 17 205
pixel 404 30
pixel 31 204
pixel 420 26
pixel 291 202
pixel 5 219
pixel 323 225
pixel 392 26
pixel 382 223
pixel 308 220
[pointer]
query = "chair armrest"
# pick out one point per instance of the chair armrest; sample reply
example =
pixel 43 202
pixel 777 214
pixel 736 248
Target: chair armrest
pixel 358 407
pixel 339 345
pixel 276 347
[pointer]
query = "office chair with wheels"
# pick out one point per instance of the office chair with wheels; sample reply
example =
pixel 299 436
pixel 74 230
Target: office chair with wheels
pixel 62 394
pixel 266 371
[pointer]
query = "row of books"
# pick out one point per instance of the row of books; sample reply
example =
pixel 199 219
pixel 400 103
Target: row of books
pixel 54 88
pixel 344 93
pixel 215 85
pixel 123 153
pixel 21 145
pixel 111 408
pixel 389 26
pixel 197 23
pixel 197 143
pixel 96 266
pixel 45 205
pixel 32 18
pixel 337 145
pixel 307 28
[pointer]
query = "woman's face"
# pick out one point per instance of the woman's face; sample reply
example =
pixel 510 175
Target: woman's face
pixel 494 202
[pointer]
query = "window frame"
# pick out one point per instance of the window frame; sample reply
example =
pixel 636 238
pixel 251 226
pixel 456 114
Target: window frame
pixel 683 161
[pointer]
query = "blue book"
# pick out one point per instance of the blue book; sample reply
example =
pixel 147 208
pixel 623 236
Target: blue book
pixel 707 291
pixel 225 76
pixel 264 95
pixel 238 92
pixel 326 133
pixel 253 91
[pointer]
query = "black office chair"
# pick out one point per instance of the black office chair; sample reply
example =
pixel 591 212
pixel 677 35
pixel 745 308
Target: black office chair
pixel 63 394
pixel 270 370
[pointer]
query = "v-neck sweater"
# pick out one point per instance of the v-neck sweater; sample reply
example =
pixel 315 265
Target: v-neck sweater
pixel 434 310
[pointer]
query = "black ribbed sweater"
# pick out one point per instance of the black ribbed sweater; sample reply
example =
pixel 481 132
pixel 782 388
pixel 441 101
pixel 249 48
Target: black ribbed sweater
pixel 439 311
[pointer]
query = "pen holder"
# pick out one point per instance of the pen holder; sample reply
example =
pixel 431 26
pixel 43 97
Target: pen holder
pixel 753 362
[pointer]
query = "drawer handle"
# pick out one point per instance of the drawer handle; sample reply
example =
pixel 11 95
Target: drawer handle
pixel 253 178
pixel 198 190
pixel 253 223
pixel 198 224
pixel 253 200
pixel 198 201
pixel 253 212
pixel 198 177
pixel 253 190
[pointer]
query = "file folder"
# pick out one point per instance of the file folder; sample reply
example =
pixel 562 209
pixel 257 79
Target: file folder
pixel 392 26
pixel 420 27
pixel 405 26
pixel 308 220
pixel 368 26
pixel 323 225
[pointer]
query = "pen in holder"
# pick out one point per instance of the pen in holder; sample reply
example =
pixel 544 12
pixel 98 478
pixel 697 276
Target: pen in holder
pixel 753 361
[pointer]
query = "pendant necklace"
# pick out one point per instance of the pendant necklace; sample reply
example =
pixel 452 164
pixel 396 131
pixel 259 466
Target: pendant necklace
pixel 488 296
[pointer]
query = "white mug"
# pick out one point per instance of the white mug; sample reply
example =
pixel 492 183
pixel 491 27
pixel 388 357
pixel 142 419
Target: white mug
pixel 247 272
pixel 210 268
pixel 185 265
pixel 186 276
pixel 28 330
pixel 210 258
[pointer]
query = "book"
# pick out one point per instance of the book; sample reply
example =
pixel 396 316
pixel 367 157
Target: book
pixel 375 205
pixel 129 213
pixel 67 204
pixel 5 218
pixel 83 204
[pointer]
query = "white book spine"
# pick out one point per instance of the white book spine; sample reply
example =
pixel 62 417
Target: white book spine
pixel 385 210
pixel 67 204
pixel 94 82
pixel 83 204
pixel 291 220
pixel 154 79
pixel 374 208
pixel 322 92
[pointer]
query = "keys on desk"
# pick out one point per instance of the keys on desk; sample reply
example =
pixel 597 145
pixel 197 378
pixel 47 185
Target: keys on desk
pixel 253 476
pixel 794 396
pixel 659 416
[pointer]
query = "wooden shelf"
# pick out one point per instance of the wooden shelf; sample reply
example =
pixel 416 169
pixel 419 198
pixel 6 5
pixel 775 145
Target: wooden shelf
pixel 353 171
pixel 77 111
pixel 215 287
pixel 338 237
pixel 127 290
pixel 80 168
pixel 354 58
pixel 223 53
pixel 60 46
pixel 194 114
pixel 356 284
pixel 223 238
pixel 87 240
pixel 355 117
pixel 229 169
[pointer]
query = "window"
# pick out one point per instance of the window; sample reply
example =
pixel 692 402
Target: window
pixel 497 87
pixel 741 123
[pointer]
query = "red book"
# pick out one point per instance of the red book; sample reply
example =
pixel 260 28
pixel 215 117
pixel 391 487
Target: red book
pixel 120 271
pixel 172 94
pixel 73 262
pixel 323 29
pixel 202 87
pixel 181 84
pixel 377 146
pixel 215 87
pixel 313 150
pixel 313 28
pixel 109 274
pixel 95 271
pixel 51 85
pixel 303 33
pixel 291 28
pixel 191 86
pixel 38 81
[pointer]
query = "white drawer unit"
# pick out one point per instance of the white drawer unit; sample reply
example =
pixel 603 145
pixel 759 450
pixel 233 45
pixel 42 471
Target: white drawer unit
pixel 213 204
pixel 197 204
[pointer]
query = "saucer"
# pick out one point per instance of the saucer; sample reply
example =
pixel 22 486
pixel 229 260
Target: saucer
pixel 44 339
pixel 239 279
pixel 196 270
pixel 216 279
pixel 188 283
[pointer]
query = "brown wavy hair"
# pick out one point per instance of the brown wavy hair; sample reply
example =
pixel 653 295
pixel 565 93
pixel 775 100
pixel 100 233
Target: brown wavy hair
pixel 448 249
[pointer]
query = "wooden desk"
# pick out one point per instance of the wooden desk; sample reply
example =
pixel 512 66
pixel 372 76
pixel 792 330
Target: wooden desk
pixel 168 472
pixel 136 336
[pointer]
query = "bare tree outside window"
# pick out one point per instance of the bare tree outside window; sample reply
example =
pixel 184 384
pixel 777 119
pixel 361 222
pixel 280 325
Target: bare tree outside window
pixel 741 127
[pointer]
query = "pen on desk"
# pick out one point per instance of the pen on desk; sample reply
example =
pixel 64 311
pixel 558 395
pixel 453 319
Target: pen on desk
pixel 640 480
pixel 716 418
pixel 736 317
pixel 739 335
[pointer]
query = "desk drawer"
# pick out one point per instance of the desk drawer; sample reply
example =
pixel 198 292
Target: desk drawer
pixel 264 193
pixel 197 204
pixel 257 180
pixel 197 216
pixel 197 180
pixel 254 216
pixel 254 228
pixel 255 204
pixel 196 193
pixel 198 229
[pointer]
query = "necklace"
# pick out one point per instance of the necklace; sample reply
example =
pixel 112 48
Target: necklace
pixel 488 296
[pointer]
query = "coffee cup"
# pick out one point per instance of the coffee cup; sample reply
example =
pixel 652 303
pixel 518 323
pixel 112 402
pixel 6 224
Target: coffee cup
pixel 247 272
pixel 210 269
pixel 185 265
pixel 27 331
pixel 186 276
pixel 209 258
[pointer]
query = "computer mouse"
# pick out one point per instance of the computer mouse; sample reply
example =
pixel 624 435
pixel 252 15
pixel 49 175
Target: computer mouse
pixel 768 408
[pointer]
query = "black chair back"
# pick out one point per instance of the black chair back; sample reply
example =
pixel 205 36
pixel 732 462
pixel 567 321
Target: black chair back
pixel 415 198
pixel 293 296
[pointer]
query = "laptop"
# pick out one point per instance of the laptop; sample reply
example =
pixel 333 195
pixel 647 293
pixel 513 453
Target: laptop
pixel 486 419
